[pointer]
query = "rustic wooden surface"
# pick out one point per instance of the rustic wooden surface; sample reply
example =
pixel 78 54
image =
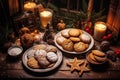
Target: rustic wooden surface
pixel 13 68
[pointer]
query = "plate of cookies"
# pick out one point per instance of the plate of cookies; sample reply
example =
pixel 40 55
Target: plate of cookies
pixel 74 41
pixel 42 58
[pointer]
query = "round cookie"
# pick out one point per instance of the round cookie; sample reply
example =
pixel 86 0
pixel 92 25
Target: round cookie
pixel 65 34
pixel 67 45
pixel 85 38
pixel 52 57
pixel 100 59
pixel 92 61
pixel 74 32
pixel 40 52
pixel 74 39
pixel 40 46
pixel 91 56
pixel 44 63
pixel 60 39
pixel 51 48
pixel 79 47
pixel 31 53
pixel 98 53
pixel 33 63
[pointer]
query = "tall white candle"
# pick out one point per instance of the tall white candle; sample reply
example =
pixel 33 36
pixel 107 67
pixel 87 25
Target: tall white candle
pixel 29 6
pixel 99 30
pixel 45 17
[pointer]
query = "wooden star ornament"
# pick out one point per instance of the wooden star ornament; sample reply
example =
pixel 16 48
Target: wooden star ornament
pixel 75 64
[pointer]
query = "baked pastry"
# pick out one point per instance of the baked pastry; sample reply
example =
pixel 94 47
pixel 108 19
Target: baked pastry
pixel 80 46
pixel 33 63
pixel 98 53
pixel 60 39
pixel 97 57
pixel 26 40
pixel 40 46
pixel 40 52
pixel 65 34
pixel 74 32
pixel 85 38
pixel 51 48
pixel 31 53
pixel 67 45
pixel 74 39
pixel 43 61
pixel 52 57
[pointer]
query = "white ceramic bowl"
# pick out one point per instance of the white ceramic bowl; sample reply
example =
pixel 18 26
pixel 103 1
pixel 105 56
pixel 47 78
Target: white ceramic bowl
pixel 15 51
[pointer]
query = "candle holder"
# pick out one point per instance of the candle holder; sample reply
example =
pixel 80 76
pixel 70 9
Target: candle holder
pixel 99 30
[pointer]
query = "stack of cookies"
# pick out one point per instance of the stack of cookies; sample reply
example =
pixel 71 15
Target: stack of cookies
pixel 42 56
pixel 73 40
pixel 96 57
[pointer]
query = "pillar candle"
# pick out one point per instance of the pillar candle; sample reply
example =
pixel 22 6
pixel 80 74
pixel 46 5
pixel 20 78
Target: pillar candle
pixel 29 6
pixel 99 30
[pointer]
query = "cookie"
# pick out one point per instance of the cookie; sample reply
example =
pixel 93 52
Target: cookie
pixel 100 59
pixel 43 61
pixel 65 34
pixel 33 63
pixel 52 57
pixel 67 45
pixel 51 48
pixel 98 53
pixel 91 56
pixel 74 32
pixel 30 53
pixel 85 38
pixel 40 52
pixel 74 39
pixel 92 61
pixel 40 46
pixel 60 39
pixel 79 47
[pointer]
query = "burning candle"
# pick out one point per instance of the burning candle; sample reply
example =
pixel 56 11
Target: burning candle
pixel 29 6
pixel 45 17
pixel 99 30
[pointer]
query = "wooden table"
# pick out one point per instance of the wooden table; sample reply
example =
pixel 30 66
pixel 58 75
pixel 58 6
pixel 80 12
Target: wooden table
pixel 13 68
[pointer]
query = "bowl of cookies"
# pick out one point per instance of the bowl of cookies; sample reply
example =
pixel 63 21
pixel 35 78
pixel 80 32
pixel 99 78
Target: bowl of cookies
pixel 96 57
pixel 74 41
pixel 42 58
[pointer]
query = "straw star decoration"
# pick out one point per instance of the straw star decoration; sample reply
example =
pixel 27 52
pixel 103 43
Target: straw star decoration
pixel 75 64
